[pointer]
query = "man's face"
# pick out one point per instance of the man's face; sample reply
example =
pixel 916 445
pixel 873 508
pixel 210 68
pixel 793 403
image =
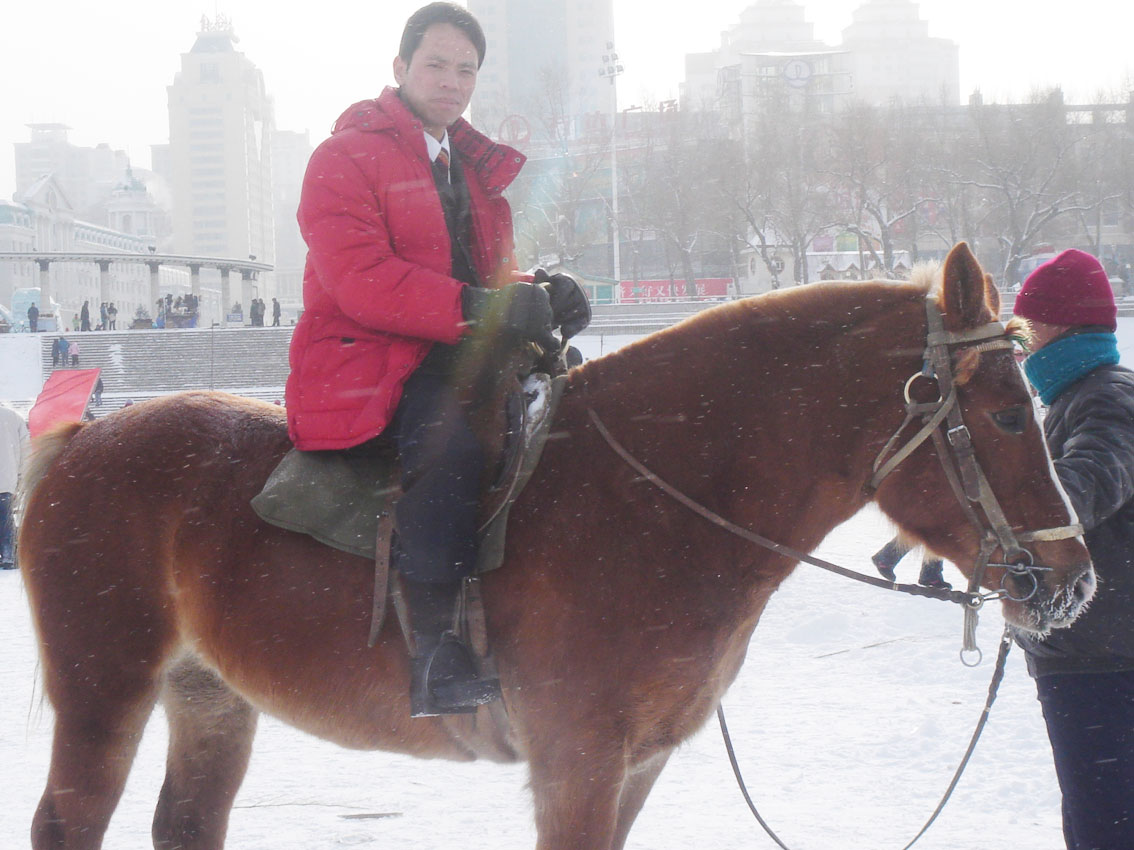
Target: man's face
pixel 438 82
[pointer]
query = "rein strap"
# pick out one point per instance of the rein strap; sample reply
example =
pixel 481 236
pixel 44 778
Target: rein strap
pixel 969 600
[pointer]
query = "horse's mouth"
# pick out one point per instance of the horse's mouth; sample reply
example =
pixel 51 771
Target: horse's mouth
pixel 1056 610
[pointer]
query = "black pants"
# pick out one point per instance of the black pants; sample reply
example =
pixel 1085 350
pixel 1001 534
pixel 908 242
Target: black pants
pixel 893 552
pixel 1090 721
pixel 7 530
pixel 436 518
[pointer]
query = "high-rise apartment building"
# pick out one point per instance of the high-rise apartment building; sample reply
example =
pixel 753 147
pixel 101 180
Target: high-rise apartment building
pixel 290 152
pixel 219 160
pixel 540 80
pixel 886 54
pixel 893 56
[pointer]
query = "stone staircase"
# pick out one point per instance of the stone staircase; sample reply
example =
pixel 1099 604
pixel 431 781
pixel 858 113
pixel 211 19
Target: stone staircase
pixel 141 364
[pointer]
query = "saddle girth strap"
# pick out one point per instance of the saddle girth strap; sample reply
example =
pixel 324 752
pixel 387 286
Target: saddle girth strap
pixel 381 577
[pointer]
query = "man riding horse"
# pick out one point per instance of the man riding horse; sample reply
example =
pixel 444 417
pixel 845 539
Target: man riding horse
pixel 410 251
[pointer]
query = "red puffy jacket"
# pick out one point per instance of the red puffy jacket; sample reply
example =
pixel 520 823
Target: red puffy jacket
pixel 377 291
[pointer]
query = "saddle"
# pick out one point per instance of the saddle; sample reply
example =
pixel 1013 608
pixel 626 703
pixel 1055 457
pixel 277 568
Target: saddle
pixel 348 503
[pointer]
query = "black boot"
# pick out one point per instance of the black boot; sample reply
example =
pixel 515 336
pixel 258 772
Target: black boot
pixel 444 677
pixel 932 575
pixel 886 558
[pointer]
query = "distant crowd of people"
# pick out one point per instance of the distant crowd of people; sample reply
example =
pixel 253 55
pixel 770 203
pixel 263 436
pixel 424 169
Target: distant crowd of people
pixel 180 311
pixel 258 309
pixel 107 314
pixel 64 352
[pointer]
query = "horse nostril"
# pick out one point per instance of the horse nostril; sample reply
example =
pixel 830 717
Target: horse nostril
pixel 1085 586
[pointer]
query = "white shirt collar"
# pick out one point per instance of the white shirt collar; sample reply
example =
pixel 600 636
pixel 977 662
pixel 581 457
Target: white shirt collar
pixel 433 146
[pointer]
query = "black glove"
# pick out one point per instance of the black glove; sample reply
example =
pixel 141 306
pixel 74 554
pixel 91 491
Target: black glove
pixel 518 310
pixel 571 311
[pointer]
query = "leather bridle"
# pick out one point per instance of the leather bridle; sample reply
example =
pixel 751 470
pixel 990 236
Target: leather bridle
pixel 943 422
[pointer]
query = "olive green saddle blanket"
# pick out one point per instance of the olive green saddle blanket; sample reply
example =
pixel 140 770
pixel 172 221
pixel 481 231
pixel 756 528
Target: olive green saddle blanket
pixel 341 501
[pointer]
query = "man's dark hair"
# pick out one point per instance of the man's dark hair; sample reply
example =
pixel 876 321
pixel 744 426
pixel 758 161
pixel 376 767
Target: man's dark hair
pixel 440 13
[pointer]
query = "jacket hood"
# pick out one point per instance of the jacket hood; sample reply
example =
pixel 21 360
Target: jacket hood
pixel 373 114
pixel 498 164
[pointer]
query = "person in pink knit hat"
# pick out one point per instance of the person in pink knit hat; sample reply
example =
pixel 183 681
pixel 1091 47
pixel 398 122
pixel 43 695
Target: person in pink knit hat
pixel 1085 673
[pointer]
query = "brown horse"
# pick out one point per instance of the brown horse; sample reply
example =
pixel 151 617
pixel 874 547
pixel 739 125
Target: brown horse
pixel 619 617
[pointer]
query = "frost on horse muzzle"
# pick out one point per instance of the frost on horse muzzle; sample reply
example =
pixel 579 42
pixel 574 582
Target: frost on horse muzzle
pixel 1031 606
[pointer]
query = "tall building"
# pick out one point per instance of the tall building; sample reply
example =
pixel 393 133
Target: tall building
pixel 86 175
pixel 290 152
pixel 893 55
pixel 767 26
pixel 886 54
pixel 540 80
pixel 220 159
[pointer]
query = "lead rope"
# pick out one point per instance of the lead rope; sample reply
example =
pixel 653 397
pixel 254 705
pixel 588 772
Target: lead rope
pixel 993 687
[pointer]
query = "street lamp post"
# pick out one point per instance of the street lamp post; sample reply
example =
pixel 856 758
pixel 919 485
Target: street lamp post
pixel 611 68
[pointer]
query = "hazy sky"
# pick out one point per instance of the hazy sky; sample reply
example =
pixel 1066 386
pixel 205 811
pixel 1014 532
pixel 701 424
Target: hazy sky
pixel 103 68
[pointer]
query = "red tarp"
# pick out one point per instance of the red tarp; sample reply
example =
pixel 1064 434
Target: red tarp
pixel 63 398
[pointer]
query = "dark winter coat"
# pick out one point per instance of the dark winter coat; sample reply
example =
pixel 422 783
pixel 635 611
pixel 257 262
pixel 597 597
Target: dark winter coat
pixel 378 290
pixel 1090 432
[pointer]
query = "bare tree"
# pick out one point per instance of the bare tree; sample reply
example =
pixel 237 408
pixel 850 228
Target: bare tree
pixel 1103 153
pixel 1022 162
pixel 788 163
pixel 672 190
pixel 745 197
pixel 558 197
pixel 879 176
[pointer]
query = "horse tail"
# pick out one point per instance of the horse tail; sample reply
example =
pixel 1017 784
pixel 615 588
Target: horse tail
pixel 45 450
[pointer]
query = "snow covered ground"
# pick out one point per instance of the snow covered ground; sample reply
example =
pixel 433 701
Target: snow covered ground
pixel 849 718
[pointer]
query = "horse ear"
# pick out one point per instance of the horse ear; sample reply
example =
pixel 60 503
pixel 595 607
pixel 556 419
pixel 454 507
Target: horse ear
pixel 964 294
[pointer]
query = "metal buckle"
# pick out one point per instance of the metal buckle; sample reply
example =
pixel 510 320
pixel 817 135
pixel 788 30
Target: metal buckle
pixel 960 438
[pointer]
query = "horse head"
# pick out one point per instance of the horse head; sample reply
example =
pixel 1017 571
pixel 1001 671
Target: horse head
pixel 1011 528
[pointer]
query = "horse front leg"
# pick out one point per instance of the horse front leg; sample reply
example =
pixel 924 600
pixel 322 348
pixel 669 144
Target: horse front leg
pixel 577 793
pixel 639 782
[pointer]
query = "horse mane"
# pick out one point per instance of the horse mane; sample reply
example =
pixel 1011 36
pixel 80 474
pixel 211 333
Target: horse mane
pixel 45 450
pixel 925 274
pixel 782 320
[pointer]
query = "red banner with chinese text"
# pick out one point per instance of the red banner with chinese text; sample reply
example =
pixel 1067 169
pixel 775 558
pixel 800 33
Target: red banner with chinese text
pixel 673 290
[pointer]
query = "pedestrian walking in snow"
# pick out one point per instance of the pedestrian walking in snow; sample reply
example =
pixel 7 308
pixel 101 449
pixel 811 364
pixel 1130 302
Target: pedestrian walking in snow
pixel 1085 674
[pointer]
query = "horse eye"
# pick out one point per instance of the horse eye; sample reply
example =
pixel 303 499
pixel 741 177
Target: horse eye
pixel 1012 419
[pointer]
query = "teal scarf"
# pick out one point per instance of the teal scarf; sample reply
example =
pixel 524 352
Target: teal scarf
pixel 1059 364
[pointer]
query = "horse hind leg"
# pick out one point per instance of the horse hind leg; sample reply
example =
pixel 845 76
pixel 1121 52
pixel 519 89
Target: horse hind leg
pixel 210 743
pixel 97 732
